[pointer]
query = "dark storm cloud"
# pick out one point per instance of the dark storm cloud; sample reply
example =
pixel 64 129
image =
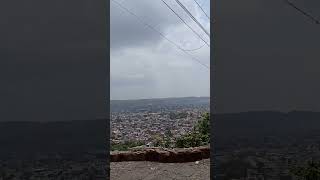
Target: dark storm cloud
pixel 267 56
pixel 53 60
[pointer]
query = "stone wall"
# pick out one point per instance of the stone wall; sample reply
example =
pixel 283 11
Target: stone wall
pixel 162 155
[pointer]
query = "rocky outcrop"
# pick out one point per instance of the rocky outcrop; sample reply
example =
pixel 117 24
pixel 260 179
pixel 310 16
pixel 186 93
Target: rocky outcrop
pixel 162 155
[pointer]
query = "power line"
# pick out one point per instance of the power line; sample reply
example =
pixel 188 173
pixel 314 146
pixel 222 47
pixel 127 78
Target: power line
pixel 303 12
pixel 195 48
pixel 151 27
pixel 185 23
pixel 212 21
pixel 156 26
pixel 201 9
pixel 192 17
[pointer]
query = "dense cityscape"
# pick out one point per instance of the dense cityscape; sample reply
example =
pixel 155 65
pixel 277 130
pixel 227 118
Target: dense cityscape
pixel 144 126
pixel 144 123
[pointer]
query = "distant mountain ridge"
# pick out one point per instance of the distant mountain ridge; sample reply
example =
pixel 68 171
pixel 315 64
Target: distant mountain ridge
pixel 157 103
pixel 165 98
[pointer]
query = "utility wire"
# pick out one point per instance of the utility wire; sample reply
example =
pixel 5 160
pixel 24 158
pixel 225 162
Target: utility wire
pixel 192 17
pixel 315 20
pixel 212 21
pixel 151 27
pixel 195 48
pixel 156 26
pixel 201 9
pixel 185 23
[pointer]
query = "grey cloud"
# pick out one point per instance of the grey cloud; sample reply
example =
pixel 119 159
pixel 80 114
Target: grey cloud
pixel 127 31
pixel 131 80
pixel 144 65
pixel 164 75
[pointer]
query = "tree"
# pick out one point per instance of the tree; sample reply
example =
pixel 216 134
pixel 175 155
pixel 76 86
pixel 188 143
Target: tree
pixel 310 172
pixel 203 126
pixel 199 136
pixel 158 141
pixel 167 139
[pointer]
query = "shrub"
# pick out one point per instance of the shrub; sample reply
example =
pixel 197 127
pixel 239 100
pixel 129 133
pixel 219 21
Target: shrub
pixel 198 137
pixel 203 126
pixel 309 172
pixel 158 141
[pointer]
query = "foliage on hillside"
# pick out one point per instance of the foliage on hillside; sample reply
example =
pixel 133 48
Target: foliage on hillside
pixel 125 146
pixel 163 141
pixel 309 172
pixel 199 136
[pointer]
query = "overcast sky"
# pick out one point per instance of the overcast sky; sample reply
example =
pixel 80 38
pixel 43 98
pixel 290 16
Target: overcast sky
pixel 267 56
pixel 145 65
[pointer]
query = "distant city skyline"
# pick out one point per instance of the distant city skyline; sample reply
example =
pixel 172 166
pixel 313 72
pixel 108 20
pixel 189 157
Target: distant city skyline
pixel 144 65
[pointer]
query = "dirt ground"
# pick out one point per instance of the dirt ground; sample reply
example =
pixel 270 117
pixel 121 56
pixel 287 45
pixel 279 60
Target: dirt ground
pixel 142 170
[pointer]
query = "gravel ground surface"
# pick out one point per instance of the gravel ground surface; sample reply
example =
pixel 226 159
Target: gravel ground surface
pixel 143 170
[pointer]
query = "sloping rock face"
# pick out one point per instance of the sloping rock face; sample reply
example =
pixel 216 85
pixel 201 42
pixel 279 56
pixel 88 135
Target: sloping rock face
pixel 162 155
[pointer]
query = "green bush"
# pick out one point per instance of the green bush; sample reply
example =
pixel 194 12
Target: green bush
pixel 203 126
pixel 163 140
pixel 199 136
pixel 158 141
pixel 309 172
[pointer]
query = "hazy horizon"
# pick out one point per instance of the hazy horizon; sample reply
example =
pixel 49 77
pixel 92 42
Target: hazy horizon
pixel 169 97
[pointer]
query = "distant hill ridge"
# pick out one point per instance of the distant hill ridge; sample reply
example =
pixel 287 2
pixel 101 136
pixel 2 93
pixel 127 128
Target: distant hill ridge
pixel 167 98
pixel 157 103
